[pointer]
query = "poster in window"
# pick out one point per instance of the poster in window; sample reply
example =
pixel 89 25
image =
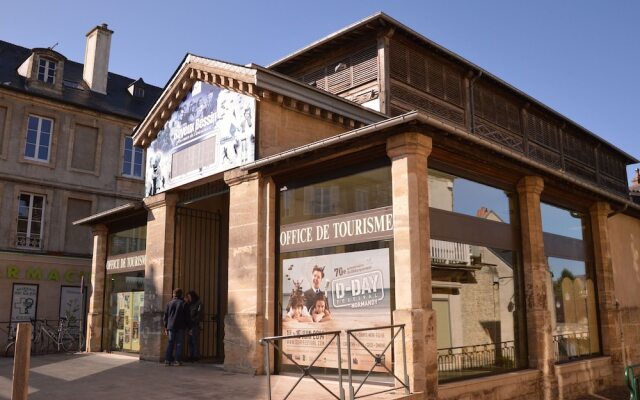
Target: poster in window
pixel 72 307
pixel 334 293
pixel 24 302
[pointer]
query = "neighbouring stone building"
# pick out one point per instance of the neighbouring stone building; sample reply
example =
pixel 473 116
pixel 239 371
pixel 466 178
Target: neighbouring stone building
pixel 66 151
pixel 376 178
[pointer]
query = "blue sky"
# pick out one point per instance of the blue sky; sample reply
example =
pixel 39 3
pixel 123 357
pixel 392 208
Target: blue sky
pixel 578 57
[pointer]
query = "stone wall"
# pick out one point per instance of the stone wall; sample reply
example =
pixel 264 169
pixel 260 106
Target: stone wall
pixel 522 385
pixel 580 377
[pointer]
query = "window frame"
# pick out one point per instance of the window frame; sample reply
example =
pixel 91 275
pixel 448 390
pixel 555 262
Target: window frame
pixel 134 151
pixel 47 69
pixel 28 234
pixel 38 139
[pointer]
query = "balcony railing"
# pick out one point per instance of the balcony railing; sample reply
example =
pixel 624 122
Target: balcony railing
pixel 443 252
pixel 572 345
pixel 458 361
pixel 28 242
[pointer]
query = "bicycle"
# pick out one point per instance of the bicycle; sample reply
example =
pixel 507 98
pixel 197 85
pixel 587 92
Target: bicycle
pixel 46 336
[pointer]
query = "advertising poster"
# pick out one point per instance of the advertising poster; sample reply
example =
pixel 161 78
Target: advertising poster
pixel 212 130
pixel 24 303
pixel 71 307
pixel 337 292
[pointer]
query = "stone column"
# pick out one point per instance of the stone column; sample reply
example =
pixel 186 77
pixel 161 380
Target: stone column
pixel 96 302
pixel 611 343
pixel 536 278
pixel 245 321
pixel 412 261
pixel 158 274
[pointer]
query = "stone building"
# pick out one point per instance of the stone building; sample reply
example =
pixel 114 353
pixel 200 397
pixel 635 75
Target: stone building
pixel 391 181
pixel 65 151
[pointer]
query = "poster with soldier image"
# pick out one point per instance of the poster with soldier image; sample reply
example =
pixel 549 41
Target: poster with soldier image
pixel 211 130
pixel 336 292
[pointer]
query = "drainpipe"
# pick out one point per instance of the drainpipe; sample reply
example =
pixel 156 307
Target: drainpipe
pixel 471 101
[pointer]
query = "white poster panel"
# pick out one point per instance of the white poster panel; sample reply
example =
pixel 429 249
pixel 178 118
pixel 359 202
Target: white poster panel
pixel 211 131
pixel 71 307
pixel 334 293
pixel 24 303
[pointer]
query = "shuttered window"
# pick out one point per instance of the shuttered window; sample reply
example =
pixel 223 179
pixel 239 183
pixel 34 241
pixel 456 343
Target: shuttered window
pixel 345 73
pixel 85 143
pixel 426 73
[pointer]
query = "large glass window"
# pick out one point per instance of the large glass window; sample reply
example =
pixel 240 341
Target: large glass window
pixel 38 143
pixel 335 267
pixel 571 288
pixel 475 267
pixel 30 221
pixel 128 241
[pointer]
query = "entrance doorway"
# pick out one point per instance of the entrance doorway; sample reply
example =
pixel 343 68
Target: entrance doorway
pixel 200 264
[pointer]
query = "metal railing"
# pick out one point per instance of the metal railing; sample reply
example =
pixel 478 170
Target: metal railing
pixel 573 345
pixel 305 370
pixel 485 356
pixel 631 380
pixel 379 360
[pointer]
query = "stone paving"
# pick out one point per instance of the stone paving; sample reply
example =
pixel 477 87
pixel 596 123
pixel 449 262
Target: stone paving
pixel 101 376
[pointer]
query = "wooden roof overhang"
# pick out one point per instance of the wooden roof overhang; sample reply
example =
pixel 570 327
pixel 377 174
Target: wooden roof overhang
pixel 253 81
pixel 454 149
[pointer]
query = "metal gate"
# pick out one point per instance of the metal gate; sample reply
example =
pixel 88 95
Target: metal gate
pixel 197 266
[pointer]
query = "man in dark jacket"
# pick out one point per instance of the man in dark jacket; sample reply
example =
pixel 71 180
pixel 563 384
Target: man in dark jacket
pixel 176 322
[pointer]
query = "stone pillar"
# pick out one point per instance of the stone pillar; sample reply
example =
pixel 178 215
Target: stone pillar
pixel 611 337
pixel 158 274
pixel 536 278
pixel 245 321
pixel 412 261
pixel 96 302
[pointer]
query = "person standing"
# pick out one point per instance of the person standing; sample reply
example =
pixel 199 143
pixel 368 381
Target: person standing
pixel 196 312
pixel 176 322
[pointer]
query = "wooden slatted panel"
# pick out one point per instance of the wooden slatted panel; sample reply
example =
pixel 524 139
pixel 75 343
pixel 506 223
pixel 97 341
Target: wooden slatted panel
pixel 544 155
pixel 339 77
pixel 542 132
pixel 421 101
pixel 578 148
pixel 399 63
pixel 498 135
pixel 365 66
pixel 426 73
pixel 453 87
pixel 496 109
pixel 417 70
pixel 435 78
pixel 317 79
pixel 580 170
pixel 610 164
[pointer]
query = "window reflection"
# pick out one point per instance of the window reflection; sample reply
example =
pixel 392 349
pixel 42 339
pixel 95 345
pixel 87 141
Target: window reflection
pixel 570 288
pixel 475 290
pixel 575 326
pixel 452 193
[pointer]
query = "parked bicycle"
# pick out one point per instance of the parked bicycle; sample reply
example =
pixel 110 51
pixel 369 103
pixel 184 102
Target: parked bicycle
pixel 46 338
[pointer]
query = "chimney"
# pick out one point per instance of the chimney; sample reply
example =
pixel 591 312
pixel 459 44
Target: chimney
pixel 96 58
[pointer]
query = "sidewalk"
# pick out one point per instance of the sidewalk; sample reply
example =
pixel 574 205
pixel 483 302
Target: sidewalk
pixel 101 376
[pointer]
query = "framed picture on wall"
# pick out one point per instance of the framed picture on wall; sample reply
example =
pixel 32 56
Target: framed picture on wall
pixel 24 303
